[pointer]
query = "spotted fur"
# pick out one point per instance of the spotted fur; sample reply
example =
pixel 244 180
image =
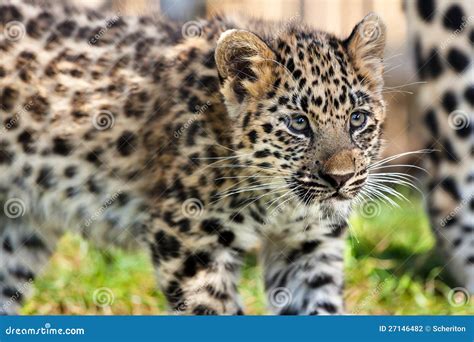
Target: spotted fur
pixel 442 34
pixel 201 161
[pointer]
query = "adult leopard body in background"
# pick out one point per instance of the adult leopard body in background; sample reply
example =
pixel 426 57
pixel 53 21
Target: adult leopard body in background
pixel 199 146
pixel 442 35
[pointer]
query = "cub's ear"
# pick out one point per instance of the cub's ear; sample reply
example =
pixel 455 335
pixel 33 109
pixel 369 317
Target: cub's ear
pixel 245 65
pixel 366 46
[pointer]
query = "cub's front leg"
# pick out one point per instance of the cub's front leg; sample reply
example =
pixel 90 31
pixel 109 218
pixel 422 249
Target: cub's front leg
pixel 197 262
pixel 305 276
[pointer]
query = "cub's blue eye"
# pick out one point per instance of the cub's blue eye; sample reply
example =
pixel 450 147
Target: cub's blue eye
pixel 299 124
pixel 358 120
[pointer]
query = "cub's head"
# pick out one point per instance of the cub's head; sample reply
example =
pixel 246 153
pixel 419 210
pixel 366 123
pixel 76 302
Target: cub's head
pixel 307 107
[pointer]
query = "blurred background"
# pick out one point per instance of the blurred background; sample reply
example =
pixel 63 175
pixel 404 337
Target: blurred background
pixel 391 264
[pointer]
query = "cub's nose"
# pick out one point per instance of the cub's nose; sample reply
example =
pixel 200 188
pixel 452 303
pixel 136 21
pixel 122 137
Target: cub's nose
pixel 337 181
pixel 338 169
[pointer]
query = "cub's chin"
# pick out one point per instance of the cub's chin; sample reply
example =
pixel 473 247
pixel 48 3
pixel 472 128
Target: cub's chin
pixel 337 206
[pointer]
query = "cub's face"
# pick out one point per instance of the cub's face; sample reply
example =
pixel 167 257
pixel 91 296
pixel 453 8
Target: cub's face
pixel 307 108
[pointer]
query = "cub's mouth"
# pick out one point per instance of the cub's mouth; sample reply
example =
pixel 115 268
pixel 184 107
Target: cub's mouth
pixel 340 196
pixel 310 192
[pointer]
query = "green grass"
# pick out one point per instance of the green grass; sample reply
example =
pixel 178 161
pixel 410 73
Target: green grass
pixel 391 268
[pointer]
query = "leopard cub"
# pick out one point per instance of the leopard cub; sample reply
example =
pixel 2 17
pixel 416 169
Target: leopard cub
pixel 199 147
